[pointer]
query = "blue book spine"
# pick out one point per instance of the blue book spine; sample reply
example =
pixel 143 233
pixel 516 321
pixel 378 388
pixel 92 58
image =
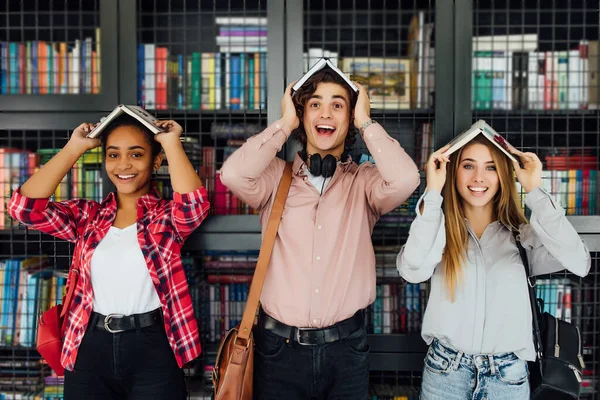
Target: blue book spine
pixel 140 74
pixel 3 67
pixel 579 192
pixel 235 82
pixel 181 74
pixel 13 55
pixel 263 80
pixel 35 82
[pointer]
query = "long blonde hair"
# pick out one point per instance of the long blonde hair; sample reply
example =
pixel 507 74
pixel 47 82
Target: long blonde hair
pixel 506 208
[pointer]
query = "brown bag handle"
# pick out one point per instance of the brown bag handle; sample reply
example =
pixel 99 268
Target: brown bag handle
pixel 264 256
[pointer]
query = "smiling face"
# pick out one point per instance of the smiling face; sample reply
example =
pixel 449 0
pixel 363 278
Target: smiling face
pixel 326 119
pixel 477 180
pixel 129 162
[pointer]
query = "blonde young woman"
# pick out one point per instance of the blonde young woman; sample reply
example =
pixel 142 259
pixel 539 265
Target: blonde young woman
pixel 478 318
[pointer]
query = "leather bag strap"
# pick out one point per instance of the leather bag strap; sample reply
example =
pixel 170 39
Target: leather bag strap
pixel 264 256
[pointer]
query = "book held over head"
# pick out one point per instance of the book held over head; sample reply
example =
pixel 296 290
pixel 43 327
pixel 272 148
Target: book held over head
pixel 479 128
pixel 319 65
pixel 136 112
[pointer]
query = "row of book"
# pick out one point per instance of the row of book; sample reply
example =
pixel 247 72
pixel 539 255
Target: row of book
pixel 27 288
pixel 234 77
pixel 398 308
pixel 40 67
pixel 509 73
pixel 33 388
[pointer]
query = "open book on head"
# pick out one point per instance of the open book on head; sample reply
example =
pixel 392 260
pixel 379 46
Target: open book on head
pixel 479 127
pixel 319 65
pixel 136 112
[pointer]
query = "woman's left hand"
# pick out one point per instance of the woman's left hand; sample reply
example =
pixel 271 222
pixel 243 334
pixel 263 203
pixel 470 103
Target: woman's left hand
pixel 172 131
pixel 530 175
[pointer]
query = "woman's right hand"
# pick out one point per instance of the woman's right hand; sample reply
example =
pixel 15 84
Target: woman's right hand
pixel 288 110
pixel 79 140
pixel 435 170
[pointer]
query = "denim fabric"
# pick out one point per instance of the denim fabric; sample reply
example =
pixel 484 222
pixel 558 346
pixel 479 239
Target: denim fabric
pixel 452 375
pixel 132 365
pixel 291 371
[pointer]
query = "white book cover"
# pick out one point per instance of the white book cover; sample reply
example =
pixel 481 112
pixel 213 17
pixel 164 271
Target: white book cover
pixel 314 55
pixel 479 127
pixel 319 65
pixel 227 80
pixel 241 40
pixel 525 42
pixel 136 112
pixel 508 75
pixel 242 49
pixel 150 76
pixel 574 80
pixel 252 21
pixel 75 68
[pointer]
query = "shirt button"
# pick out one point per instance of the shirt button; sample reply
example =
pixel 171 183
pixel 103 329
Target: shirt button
pixel 316 290
pixel 379 150
pixel 264 140
pixel 277 126
pixel 305 178
pixel 319 227
pixel 318 258
pixel 370 135
pixel 314 321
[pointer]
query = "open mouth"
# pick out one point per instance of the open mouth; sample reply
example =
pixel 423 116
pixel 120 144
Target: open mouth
pixel 127 177
pixel 324 129
pixel 477 191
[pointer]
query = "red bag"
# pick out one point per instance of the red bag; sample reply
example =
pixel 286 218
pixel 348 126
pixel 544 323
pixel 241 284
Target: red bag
pixel 51 329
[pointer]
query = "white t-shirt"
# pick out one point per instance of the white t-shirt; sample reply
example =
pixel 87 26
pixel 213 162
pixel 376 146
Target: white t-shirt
pixel 120 278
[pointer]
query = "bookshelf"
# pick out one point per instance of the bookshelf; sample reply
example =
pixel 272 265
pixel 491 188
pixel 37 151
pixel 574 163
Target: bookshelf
pixel 428 114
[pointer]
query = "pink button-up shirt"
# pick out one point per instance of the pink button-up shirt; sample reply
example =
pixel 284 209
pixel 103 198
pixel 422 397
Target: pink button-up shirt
pixel 323 265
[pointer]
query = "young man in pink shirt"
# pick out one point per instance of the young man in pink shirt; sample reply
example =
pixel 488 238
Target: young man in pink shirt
pixel 310 340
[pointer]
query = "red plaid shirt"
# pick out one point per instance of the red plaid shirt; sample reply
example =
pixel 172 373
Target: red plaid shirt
pixel 162 226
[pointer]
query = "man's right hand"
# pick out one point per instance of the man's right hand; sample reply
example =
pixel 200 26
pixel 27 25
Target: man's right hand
pixel 436 170
pixel 80 142
pixel 288 110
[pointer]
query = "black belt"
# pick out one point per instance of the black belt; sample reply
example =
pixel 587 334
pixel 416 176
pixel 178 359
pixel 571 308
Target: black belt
pixel 310 336
pixel 115 323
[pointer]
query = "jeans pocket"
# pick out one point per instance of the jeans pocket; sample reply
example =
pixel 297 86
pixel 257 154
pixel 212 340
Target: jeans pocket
pixel 268 345
pixel 513 373
pixel 436 362
pixel 357 343
pixel 155 334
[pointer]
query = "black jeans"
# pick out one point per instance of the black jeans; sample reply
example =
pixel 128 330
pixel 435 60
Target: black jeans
pixel 338 370
pixel 128 365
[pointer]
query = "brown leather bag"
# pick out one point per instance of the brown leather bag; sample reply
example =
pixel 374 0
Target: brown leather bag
pixel 234 367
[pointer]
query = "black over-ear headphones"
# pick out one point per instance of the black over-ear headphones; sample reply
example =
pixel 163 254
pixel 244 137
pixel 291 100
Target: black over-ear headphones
pixel 324 167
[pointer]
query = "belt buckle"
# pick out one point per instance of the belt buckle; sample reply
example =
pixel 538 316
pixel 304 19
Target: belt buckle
pixel 298 335
pixel 107 320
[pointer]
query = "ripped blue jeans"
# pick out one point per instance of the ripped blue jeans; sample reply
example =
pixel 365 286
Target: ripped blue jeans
pixel 452 375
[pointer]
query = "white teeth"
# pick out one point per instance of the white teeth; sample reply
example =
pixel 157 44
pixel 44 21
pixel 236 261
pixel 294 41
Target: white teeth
pixel 477 189
pixel 125 176
pixel 326 127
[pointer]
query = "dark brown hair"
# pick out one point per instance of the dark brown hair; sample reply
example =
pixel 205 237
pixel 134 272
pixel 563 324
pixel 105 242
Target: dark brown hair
pixel 303 94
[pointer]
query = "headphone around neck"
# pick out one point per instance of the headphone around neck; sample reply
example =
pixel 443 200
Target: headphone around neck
pixel 318 166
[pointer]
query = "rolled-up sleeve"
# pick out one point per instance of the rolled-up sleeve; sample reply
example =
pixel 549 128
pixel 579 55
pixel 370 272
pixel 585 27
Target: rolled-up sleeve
pixel 189 210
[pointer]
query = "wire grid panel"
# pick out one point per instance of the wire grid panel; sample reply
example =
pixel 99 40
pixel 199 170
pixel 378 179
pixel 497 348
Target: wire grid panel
pixel 50 47
pixel 204 65
pixel 534 80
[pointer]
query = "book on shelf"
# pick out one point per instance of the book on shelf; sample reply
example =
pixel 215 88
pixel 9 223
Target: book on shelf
pixel 318 66
pixel 136 112
pixel 511 73
pixel 387 80
pixel 44 67
pixel 479 127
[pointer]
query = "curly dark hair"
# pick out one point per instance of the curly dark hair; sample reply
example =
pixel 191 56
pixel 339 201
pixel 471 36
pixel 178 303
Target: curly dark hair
pixel 303 94
pixel 128 120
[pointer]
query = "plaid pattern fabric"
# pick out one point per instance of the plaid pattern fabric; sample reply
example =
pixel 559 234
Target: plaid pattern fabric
pixel 162 226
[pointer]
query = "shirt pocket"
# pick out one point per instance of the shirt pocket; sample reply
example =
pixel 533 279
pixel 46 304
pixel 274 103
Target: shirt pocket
pixel 163 239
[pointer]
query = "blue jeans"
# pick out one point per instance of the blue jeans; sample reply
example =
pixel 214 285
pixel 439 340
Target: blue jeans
pixel 338 370
pixel 452 375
